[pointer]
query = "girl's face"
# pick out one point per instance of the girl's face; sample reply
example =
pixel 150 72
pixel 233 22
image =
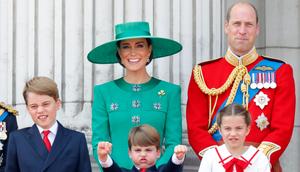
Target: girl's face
pixel 234 131
pixel 134 54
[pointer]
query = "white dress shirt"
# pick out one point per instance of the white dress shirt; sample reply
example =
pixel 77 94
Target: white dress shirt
pixel 52 134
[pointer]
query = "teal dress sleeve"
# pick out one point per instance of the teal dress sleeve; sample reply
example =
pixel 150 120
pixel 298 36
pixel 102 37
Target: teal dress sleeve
pixel 100 125
pixel 173 125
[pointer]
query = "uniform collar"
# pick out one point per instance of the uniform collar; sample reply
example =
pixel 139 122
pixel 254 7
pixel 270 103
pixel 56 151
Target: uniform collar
pixel 245 60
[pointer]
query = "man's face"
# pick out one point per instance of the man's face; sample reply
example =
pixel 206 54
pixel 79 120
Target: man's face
pixel 241 29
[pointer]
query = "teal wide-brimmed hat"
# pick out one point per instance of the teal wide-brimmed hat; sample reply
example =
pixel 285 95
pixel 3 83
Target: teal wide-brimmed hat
pixel 106 53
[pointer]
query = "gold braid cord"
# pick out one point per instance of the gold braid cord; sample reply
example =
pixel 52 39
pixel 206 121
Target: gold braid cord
pixel 8 108
pixel 236 76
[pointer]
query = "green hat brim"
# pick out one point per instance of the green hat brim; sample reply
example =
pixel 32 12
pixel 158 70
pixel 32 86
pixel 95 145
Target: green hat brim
pixel 106 53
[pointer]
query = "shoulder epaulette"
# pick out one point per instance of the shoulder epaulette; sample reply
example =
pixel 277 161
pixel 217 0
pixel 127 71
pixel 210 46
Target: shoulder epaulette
pixel 9 108
pixel 273 59
pixel 209 61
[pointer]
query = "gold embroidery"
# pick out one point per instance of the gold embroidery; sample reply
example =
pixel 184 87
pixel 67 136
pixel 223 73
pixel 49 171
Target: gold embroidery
pixel 246 60
pixel 268 148
pixel 263 68
pixel 8 108
pixel 239 73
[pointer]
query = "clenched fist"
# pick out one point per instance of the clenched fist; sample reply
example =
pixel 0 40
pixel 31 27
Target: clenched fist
pixel 104 148
pixel 180 151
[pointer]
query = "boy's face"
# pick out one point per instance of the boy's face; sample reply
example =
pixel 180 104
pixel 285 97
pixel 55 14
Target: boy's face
pixel 42 109
pixel 144 156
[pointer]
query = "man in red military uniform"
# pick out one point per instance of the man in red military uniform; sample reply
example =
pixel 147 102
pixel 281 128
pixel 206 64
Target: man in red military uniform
pixel 8 124
pixel 263 85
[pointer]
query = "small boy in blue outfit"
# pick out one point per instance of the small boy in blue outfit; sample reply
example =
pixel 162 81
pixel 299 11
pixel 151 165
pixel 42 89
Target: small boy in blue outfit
pixel 144 150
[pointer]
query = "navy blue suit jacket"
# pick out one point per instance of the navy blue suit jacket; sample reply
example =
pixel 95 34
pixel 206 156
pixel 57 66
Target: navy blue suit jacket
pixel 169 167
pixel 27 152
pixel 11 125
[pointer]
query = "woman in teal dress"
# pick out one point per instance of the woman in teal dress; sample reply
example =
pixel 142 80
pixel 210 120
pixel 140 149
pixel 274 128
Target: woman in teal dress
pixel 137 98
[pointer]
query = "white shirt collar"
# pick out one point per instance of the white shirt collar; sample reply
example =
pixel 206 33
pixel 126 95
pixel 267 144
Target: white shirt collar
pixel 52 129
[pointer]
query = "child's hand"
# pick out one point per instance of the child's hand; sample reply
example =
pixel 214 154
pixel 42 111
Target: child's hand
pixel 104 148
pixel 180 151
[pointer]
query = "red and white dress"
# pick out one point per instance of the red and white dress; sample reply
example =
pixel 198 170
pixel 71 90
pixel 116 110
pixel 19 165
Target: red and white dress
pixel 219 159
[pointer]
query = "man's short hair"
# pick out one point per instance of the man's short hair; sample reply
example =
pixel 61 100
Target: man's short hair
pixel 144 135
pixel 41 85
pixel 242 2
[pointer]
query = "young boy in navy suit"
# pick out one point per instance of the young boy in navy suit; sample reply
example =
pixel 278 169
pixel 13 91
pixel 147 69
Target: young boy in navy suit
pixel 144 150
pixel 46 146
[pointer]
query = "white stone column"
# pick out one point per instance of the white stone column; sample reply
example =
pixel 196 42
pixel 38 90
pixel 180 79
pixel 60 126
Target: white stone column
pixel 283 42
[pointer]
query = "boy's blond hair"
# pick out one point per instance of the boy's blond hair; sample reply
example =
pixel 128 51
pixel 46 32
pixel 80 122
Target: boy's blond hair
pixel 41 85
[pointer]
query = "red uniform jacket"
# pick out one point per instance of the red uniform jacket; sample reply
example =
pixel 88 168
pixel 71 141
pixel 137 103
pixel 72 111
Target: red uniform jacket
pixel 280 110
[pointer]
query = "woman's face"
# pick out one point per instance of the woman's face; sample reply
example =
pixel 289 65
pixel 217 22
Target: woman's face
pixel 134 53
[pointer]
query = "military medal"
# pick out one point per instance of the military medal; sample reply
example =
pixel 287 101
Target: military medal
pixel 266 81
pixel 273 83
pixel 253 84
pixel 260 84
pixel 262 122
pixel 3 135
pixel 266 78
pixel 261 100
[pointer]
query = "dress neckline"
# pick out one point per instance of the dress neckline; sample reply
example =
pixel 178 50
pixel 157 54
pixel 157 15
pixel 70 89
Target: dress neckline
pixel 121 83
